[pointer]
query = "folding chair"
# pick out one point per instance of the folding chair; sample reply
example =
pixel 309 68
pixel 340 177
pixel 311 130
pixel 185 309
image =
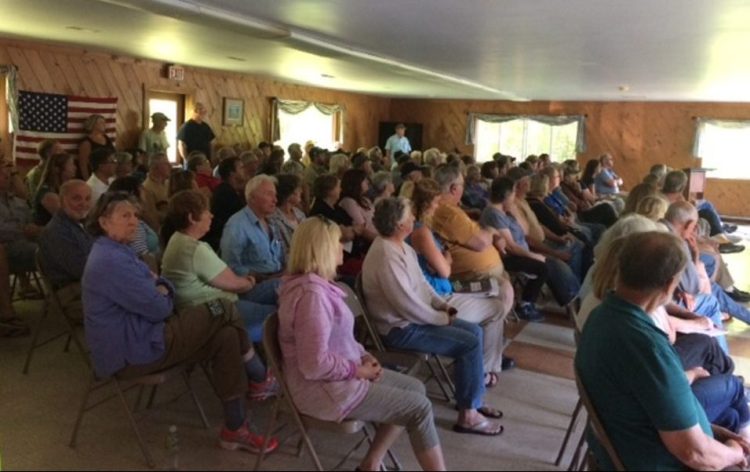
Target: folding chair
pixel 577 412
pixel 303 422
pixel 14 284
pixel 596 426
pixel 52 303
pixel 443 380
pixel 123 385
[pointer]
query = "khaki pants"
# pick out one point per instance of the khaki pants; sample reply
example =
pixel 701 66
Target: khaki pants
pixel 195 335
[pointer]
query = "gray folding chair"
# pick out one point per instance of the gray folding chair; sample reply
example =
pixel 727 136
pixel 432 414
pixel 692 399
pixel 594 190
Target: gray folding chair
pixel 123 385
pixel 578 458
pixel 52 304
pixel 441 376
pixel 302 422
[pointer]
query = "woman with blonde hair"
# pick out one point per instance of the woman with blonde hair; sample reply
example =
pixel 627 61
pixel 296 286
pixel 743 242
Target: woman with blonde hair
pixel 653 207
pixel 330 375
pixel 435 261
pixel 46 200
pixel 96 137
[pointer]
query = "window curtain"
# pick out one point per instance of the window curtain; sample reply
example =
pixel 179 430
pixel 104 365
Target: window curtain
pixel 294 107
pixel 701 124
pixel 553 120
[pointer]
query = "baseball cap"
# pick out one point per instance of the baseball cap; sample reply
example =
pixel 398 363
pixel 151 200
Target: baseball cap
pixel 517 173
pixel 160 116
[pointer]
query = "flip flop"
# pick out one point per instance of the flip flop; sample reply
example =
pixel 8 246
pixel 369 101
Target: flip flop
pixel 489 412
pixel 477 429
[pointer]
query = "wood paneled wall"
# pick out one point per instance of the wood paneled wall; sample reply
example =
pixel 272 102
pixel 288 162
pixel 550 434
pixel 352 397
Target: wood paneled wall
pixel 638 134
pixel 76 71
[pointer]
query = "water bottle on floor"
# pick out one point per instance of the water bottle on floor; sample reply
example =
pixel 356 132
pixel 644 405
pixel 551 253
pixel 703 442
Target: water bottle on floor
pixel 173 449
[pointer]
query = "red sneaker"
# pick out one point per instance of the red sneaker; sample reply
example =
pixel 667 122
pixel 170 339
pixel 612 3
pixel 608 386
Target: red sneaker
pixel 257 392
pixel 245 439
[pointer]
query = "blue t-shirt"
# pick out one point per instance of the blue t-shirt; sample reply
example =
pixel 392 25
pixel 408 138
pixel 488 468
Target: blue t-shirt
pixel 600 183
pixel 441 285
pixel 494 218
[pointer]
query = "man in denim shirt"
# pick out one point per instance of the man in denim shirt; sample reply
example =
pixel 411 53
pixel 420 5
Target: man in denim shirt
pixel 251 246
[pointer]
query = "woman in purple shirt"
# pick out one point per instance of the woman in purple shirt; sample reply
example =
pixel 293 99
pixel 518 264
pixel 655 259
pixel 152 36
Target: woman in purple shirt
pixel 330 375
pixel 131 330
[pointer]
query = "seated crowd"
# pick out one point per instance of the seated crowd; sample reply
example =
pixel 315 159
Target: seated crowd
pixel 164 266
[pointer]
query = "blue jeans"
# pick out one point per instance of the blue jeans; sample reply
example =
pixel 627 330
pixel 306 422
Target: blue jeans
pixel 707 211
pixel 257 305
pixel 579 263
pixel 726 304
pixel 723 399
pixel 254 315
pixel 709 261
pixel 708 306
pixel 562 281
pixel 461 341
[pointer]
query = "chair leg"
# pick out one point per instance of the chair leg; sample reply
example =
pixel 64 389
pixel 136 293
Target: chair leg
pixel 267 436
pixel 67 343
pixel 81 411
pixel 584 459
pixel 35 338
pixel 577 455
pixel 198 406
pixel 151 397
pixel 446 377
pixel 134 426
pixel 439 382
pixel 571 426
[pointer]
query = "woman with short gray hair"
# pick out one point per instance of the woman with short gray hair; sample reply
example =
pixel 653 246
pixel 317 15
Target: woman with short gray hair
pixel 409 315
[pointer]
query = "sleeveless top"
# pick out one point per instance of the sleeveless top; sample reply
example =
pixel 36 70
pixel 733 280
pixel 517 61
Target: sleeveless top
pixel 441 285
pixel 108 144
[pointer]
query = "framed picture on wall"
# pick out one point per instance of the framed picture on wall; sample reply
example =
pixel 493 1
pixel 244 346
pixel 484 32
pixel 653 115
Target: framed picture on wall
pixel 234 111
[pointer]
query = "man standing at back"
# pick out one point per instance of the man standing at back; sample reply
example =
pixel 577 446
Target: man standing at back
pixel 397 142
pixel 155 140
pixel 607 182
pixel 195 135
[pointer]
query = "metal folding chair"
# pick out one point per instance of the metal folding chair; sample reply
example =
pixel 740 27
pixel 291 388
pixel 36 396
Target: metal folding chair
pixel 302 422
pixel 52 304
pixel 123 385
pixel 441 376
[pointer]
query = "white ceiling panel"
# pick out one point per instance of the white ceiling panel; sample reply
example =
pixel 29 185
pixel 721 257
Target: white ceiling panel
pixel 685 50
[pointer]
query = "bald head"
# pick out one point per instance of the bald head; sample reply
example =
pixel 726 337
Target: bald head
pixel 75 199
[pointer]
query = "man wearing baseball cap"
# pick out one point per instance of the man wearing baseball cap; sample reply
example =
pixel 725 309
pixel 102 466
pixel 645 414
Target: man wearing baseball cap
pixel 397 142
pixel 154 140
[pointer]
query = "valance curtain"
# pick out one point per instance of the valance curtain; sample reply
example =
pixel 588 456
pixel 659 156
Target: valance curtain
pixel 294 107
pixel 553 120
pixel 701 124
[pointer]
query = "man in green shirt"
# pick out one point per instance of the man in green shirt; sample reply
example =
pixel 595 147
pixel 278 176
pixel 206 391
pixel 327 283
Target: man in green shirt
pixel 633 376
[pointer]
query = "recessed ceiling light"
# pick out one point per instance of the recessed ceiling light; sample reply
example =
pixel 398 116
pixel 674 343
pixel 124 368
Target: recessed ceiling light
pixel 235 58
pixel 327 76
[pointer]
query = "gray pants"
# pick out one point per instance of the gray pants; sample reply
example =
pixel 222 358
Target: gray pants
pixel 401 400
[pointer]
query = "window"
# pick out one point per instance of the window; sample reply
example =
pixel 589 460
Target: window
pixel 523 136
pixel 297 121
pixel 723 146
pixel 172 105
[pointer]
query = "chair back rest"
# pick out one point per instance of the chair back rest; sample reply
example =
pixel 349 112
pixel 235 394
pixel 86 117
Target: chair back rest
pixel 272 349
pixel 39 263
pixel 596 425
pixel 360 294
pixel 360 314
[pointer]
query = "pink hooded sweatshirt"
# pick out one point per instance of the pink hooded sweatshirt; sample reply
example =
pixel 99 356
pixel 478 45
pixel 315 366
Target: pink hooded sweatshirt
pixel 320 355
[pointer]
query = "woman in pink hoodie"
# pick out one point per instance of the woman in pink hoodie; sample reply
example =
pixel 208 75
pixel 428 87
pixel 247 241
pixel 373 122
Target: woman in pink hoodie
pixel 330 375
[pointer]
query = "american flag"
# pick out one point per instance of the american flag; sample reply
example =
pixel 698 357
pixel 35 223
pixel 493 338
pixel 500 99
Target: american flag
pixel 48 116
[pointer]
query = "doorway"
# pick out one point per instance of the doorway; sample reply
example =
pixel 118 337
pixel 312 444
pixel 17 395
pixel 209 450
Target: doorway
pixel 172 105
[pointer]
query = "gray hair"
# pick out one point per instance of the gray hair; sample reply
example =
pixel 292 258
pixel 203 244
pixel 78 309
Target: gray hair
pixel 155 159
pixel 257 181
pixel 381 180
pixel 445 176
pixel 338 163
pixel 68 186
pixel 650 261
pixel 675 181
pixel 626 226
pixel 681 212
pixel 248 156
pixel 389 212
